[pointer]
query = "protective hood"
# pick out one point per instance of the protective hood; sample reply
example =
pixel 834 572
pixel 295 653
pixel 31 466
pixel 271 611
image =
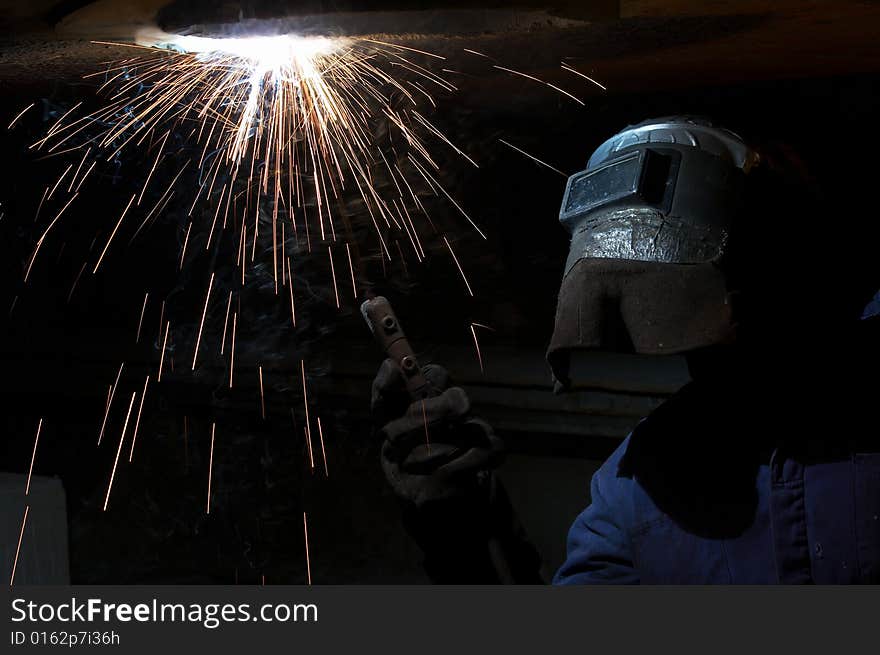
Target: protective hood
pixel 650 220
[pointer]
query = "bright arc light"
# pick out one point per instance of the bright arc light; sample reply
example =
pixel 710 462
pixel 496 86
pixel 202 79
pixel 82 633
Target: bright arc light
pixel 287 127
pixel 296 115
pixel 295 62
pixel 266 52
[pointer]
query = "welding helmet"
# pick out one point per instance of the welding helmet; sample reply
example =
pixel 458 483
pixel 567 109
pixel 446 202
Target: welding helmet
pixel 650 220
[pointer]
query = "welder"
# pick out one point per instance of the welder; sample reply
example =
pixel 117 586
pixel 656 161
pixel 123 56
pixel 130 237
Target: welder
pixel 685 239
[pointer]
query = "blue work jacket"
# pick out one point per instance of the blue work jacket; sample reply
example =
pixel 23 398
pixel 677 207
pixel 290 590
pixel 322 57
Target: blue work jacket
pixel 700 494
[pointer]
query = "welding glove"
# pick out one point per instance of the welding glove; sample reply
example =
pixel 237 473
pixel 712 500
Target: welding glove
pixel 439 460
pixel 432 449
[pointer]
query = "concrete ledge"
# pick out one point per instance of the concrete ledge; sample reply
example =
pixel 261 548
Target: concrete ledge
pixel 43 559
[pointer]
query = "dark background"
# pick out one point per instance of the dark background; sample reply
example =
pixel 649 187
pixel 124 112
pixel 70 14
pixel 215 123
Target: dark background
pixel 803 75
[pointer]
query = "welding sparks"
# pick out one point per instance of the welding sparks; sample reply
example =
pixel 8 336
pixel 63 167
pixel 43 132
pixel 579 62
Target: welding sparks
pixel 354 291
pixel 138 421
pixel 110 402
pixel 333 275
pixel 113 234
pixel 477 346
pixel 477 342
pixel 19 115
pixel 162 356
pixel 540 81
pixel 161 319
pixel 282 129
pixel 262 396
pixel 58 183
pixel 226 323
pixel 568 68
pixel 323 451
pixel 308 559
pixel 21 536
pixel 232 350
pixel 460 269
pixel 202 322
pixel 302 365
pixel 210 468
pixel 43 236
pixel 183 250
pixel 119 450
pixel 27 488
pixel 533 158
pixel 141 319
pixel 295 119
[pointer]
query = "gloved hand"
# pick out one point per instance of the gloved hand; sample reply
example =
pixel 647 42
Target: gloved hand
pixel 439 460
pixel 432 449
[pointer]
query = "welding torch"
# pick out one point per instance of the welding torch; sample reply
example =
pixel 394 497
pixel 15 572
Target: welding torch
pixel 385 326
pixel 383 323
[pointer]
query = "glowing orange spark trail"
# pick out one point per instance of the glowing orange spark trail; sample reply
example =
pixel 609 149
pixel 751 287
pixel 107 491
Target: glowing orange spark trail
pixel 164 199
pixel 110 402
pixel 202 323
pixel 57 123
pixel 113 234
pixel 152 170
pixel 308 560
pixel 40 206
pixel 21 536
pixel 185 242
pixel 311 452
pixel 535 79
pixel 323 451
pixel 78 168
pixel 45 232
pixel 333 275
pixel 232 351
pixel 119 450
pixel 302 365
pixel 83 179
pixel 568 68
pixel 533 158
pixel 27 488
pixel 210 468
pixel 54 188
pixel 226 323
pixel 477 346
pixel 460 270
pixel 354 291
pixel 162 357
pixel 138 421
pixel 141 319
pixel 19 115
pixel 262 397
pixel 403 47
pixel 283 257
pixel 161 319
pixel 431 180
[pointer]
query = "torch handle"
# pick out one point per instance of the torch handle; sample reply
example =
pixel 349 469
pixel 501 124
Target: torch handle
pixel 389 335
